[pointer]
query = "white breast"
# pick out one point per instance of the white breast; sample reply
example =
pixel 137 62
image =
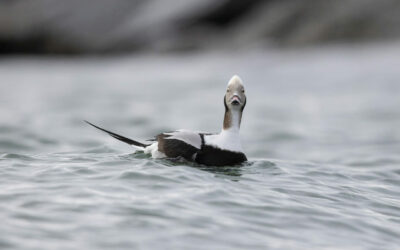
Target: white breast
pixel 227 139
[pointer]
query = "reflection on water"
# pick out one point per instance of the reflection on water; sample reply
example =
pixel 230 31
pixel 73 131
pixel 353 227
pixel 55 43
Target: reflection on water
pixel 230 171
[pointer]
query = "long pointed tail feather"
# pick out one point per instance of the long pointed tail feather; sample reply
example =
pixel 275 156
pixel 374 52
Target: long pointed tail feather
pixel 120 137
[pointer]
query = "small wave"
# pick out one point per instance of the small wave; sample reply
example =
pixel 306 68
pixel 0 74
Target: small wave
pixel 373 162
pixel 7 129
pixel 10 145
pixel 17 156
pixel 99 150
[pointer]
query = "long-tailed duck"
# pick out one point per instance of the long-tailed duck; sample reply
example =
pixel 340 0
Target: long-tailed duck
pixel 205 148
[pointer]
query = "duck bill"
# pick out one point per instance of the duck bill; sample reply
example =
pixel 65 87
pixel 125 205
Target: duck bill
pixel 235 100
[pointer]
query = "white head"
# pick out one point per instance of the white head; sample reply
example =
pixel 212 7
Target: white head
pixel 235 101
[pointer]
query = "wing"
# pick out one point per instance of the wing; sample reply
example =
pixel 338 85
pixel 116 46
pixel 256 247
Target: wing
pixel 192 138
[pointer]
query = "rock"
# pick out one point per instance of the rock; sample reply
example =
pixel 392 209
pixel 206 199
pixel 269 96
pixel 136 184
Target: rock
pixel 103 26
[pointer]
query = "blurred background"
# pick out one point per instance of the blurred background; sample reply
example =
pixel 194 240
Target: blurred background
pixel 107 27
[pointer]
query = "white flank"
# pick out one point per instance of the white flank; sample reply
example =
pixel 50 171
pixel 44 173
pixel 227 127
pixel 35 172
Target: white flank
pixel 227 139
pixel 153 150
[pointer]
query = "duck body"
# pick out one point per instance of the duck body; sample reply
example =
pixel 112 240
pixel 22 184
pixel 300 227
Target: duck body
pixel 222 149
pixel 198 147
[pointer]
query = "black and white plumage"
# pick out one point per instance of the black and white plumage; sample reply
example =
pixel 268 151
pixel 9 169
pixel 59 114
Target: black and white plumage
pixel 220 149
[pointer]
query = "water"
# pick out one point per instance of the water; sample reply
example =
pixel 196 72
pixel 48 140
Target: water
pixel 320 129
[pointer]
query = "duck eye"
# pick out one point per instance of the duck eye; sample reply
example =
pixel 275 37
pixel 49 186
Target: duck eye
pixel 227 90
pixel 242 90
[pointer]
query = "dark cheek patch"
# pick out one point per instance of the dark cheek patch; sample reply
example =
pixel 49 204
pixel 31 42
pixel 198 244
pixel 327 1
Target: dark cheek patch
pixel 244 104
pixel 226 105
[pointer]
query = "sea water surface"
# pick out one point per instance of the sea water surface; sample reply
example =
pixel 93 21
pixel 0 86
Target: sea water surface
pixel 320 129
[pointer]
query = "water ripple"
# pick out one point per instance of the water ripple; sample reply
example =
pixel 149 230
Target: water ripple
pixel 323 149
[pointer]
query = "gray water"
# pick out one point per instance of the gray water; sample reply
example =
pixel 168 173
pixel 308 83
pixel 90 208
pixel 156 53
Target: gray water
pixel 320 129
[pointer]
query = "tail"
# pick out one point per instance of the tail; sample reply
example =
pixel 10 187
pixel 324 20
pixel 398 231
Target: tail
pixel 120 137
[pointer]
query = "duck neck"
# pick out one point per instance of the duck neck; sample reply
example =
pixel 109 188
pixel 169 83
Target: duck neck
pixel 232 120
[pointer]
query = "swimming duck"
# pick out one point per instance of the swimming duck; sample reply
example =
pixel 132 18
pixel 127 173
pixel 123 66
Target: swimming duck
pixel 222 149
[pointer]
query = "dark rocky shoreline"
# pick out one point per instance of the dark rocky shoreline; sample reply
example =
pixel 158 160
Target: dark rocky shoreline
pixel 103 26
